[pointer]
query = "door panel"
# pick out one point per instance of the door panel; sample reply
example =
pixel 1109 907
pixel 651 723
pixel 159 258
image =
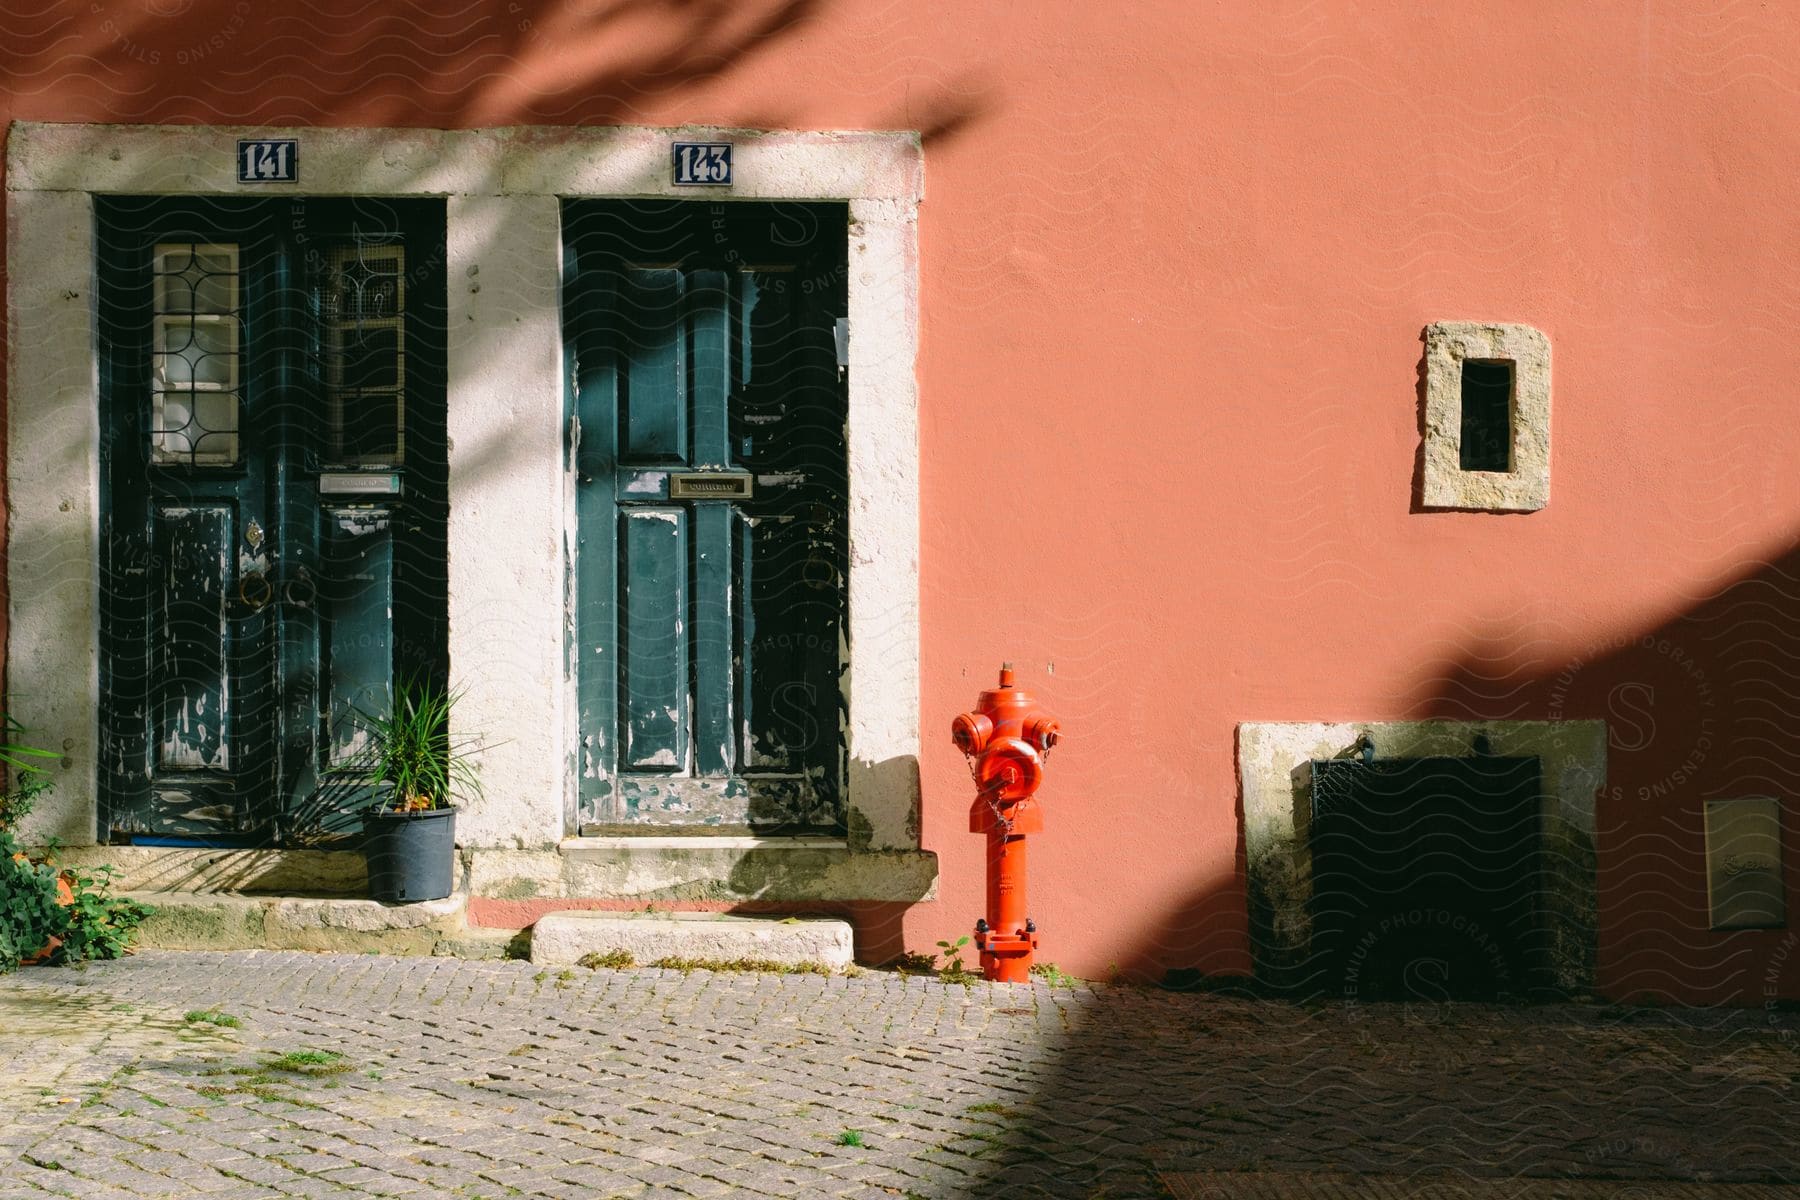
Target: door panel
pixel 652 653
pixel 653 379
pixel 357 609
pixel 253 351
pixel 708 631
pixel 195 638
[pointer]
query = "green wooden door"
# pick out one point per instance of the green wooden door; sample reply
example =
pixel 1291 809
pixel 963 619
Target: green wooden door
pixel 709 623
pixel 273 517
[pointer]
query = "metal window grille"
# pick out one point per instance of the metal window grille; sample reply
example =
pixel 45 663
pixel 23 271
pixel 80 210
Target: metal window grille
pixel 196 354
pixel 364 314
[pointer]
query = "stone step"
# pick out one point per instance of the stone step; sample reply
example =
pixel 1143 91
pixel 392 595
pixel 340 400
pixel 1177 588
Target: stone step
pixel 562 938
pixel 213 920
pixel 201 869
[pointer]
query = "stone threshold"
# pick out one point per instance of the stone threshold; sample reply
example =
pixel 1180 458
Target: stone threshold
pixel 642 868
pixel 218 920
pixel 699 868
pixel 594 847
pixel 563 938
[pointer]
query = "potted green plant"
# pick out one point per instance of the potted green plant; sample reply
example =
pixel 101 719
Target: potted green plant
pixel 416 771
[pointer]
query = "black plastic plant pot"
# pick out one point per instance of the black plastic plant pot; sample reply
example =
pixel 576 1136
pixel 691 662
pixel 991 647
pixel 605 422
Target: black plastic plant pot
pixel 412 855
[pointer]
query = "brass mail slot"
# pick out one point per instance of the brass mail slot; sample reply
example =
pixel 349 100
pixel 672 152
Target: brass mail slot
pixel 709 485
pixel 358 483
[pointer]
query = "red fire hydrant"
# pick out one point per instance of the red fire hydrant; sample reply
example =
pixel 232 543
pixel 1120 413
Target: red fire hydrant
pixel 1007 739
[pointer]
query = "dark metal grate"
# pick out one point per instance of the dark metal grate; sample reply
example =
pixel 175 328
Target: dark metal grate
pixel 1425 876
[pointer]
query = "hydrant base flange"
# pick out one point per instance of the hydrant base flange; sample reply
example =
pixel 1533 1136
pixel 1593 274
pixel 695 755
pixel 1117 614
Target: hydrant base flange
pixel 1006 957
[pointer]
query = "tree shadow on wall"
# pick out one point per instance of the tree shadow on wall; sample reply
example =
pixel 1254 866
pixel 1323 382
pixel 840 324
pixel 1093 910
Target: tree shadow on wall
pixel 341 62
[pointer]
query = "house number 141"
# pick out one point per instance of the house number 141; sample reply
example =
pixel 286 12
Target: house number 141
pixel 271 160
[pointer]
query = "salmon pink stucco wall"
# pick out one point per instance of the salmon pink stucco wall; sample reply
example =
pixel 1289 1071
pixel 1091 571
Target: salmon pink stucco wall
pixel 1175 264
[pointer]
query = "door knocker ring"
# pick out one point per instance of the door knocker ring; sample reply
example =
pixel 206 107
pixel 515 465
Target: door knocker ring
pixel 255 590
pixel 302 580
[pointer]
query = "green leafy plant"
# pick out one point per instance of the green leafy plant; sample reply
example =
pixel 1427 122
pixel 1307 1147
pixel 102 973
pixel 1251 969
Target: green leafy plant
pixel 17 801
pixel 850 1137
pixel 951 952
pixel 27 772
pixel 31 913
pixel 38 901
pixel 912 962
pixel 411 759
pixel 101 925
pixel 16 756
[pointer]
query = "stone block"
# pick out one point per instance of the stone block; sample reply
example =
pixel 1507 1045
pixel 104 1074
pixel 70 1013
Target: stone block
pixel 232 921
pixel 565 937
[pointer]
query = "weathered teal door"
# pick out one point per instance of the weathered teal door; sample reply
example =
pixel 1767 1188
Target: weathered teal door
pixel 707 441
pixel 273 456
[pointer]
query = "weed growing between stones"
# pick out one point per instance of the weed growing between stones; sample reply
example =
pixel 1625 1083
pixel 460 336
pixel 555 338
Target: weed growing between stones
pixel 309 1062
pixel 272 1079
pixel 612 960
pixel 211 1016
pixel 995 1107
pixel 770 966
pixel 622 959
pixel 953 969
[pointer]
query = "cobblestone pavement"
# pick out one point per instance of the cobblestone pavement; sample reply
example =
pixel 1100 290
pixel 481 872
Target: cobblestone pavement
pixel 363 1076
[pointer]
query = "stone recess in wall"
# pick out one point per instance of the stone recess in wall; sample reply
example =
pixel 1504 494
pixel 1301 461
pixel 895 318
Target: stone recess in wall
pixel 1275 781
pixel 1743 863
pixel 1526 487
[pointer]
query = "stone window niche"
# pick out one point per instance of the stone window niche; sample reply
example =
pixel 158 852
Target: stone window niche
pixel 1275 766
pixel 1743 863
pixel 1487 417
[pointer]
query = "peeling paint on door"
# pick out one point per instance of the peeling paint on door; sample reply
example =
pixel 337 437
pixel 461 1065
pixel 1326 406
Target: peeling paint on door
pixel 241 612
pixel 708 631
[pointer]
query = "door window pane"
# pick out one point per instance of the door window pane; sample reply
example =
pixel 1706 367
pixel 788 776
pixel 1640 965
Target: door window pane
pixel 196 279
pixel 196 352
pixel 365 354
pixel 196 355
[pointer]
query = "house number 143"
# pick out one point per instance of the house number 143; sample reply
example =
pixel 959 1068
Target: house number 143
pixel 703 164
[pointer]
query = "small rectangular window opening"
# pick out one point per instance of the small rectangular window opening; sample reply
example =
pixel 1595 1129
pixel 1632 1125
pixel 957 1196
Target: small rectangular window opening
pixel 1487 395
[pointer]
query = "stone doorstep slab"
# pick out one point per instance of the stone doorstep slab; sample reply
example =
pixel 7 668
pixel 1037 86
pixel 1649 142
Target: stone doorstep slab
pixel 563 938
pixel 238 921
